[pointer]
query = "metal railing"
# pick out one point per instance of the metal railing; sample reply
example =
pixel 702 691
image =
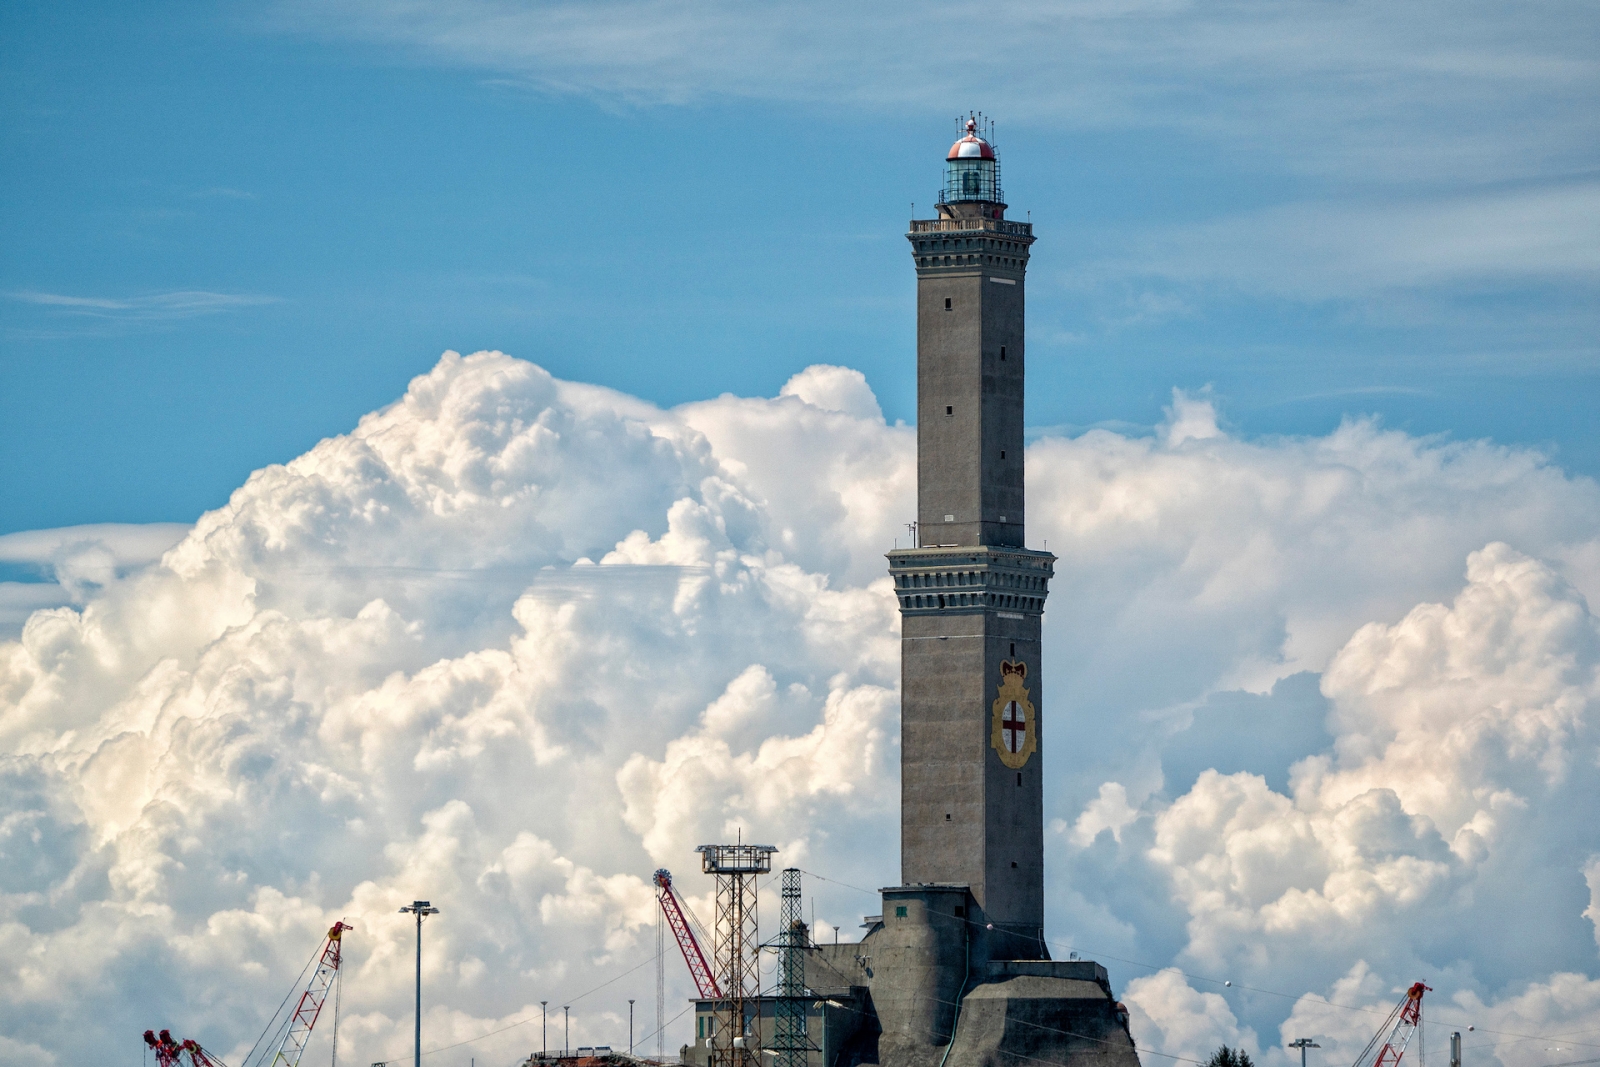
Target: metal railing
pixel 1006 226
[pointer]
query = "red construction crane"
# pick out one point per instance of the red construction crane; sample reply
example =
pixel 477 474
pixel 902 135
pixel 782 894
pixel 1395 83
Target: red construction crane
pixel 1397 1030
pixel 289 1039
pixel 677 918
pixel 293 1043
pixel 170 1052
pixel 165 1047
pixel 291 1033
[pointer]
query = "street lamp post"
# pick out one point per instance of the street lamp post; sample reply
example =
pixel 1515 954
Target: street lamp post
pixel 1302 1044
pixel 544 1029
pixel 566 1030
pixel 630 1026
pixel 421 908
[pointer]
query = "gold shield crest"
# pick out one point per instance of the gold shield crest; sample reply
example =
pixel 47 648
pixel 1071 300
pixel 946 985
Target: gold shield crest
pixel 1014 734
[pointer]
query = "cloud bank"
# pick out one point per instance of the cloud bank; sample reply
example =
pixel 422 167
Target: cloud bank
pixel 1321 722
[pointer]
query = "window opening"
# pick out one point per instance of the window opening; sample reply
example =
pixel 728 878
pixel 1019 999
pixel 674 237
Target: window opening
pixel 1002 453
pixel 1002 352
pixel 1019 782
pixel 900 911
pixel 949 410
pixel 947 303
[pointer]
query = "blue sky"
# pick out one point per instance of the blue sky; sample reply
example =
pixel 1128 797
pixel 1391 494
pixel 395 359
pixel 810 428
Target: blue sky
pixel 1327 693
pixel 230 234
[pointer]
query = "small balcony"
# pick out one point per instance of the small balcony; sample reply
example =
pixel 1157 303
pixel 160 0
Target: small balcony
pixel 973 225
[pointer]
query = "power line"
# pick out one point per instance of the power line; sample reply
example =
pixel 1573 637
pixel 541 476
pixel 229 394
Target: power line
pixel 523 1022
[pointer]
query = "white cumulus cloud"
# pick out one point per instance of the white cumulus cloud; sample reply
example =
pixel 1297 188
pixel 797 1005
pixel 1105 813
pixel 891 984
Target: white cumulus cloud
pixel 1321 715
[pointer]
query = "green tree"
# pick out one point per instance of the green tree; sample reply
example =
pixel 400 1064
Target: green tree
pixel 1227 1057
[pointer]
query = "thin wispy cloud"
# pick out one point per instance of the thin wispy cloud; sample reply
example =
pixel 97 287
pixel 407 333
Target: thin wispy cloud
pixel 1328 249
pixel 153 307
pixel 1398 160
pixel 222 193
pixel 1442 92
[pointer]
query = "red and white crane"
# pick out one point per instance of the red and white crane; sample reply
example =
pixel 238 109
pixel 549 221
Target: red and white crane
pixel 166 1049
pixel 1393 1037
pixel 287 1049
pixel 289 1036
pixel 679 917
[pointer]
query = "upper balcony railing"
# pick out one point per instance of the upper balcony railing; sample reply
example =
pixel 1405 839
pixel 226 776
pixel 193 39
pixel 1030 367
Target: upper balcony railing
pixel 1016 229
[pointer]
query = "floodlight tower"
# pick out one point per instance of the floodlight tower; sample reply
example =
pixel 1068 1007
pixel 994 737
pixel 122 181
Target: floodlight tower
pixel 736 944
pixel 422 909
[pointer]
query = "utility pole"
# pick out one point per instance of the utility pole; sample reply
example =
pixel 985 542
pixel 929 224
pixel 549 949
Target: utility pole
pixel 544 1029
pixel 1302 1044
pixel 630 1026
pixel 421 909
pixel 566 1030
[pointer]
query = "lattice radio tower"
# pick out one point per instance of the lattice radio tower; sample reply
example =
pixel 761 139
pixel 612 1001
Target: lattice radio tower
pixel 736 948
pixel 790 1040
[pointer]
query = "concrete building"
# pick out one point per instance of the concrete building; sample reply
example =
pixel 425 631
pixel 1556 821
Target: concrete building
pixel 956 971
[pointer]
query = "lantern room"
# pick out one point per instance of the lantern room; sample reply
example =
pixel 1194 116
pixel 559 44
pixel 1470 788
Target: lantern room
pixel 971 170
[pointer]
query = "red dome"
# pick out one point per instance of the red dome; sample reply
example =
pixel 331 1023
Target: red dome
pixel 971 146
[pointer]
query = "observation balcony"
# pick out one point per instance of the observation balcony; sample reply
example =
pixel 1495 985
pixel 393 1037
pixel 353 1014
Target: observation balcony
pixel 973 225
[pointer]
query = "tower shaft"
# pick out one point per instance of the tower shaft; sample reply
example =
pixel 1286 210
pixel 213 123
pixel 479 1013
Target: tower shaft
pixel 970 363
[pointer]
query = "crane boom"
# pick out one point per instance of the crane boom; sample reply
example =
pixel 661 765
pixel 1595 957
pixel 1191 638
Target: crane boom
pixel 693 955
pixel 198 1056
pixel 293 1045
pixel 1397 1030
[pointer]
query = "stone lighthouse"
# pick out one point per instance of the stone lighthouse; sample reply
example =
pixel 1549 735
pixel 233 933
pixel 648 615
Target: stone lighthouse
pixel 971 593
pixel 956 970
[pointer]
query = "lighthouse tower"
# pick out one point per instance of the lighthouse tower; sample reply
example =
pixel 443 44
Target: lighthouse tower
pixel 971 594
pixel 956 969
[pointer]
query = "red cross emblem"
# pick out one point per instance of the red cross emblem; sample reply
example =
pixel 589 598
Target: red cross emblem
pixel 1014 725
pixel 1013 732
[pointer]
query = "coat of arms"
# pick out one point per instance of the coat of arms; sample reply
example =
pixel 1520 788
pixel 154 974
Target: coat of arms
pixel 1014 735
